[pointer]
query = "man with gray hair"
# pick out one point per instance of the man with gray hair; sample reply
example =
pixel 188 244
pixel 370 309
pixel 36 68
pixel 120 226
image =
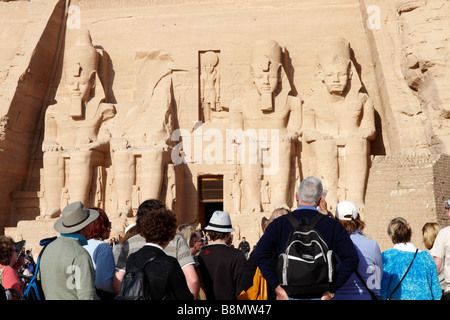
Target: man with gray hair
pixel 278 232
pixel 310 191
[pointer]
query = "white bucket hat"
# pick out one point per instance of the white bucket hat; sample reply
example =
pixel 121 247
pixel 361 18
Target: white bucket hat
pixel 346 210
pixel 220 222
pixel 75 217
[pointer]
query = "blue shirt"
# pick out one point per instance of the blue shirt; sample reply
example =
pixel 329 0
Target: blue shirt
pixel 334 234
pixel 103 261
pixel 421 281
pixel 370 268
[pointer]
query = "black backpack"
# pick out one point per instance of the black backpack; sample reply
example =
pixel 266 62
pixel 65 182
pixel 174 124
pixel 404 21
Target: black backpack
pixel 307 264
pixel 134 283
pixel 33 289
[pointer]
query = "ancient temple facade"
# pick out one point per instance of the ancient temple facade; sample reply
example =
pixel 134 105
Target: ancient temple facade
pixel 223 105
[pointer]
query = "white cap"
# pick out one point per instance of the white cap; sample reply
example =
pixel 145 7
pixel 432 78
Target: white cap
pixel 346 210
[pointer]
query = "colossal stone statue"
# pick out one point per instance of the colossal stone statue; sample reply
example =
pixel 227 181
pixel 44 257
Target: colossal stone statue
pixel 267 106
pixel 74 133
pixel 338 123
pixel 144 132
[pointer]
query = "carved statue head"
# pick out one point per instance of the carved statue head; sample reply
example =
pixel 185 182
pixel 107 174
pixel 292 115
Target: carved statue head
pixel 265 65
pixel 80 70
pixel 265 69
pixel 334 66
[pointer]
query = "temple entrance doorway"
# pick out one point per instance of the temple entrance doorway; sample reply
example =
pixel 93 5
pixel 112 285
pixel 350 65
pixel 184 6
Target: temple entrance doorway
pixel 210 196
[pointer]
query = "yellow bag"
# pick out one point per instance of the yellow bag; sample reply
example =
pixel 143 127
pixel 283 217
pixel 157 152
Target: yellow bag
pixel 258 291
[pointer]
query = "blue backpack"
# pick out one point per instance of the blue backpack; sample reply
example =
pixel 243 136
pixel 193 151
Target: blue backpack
pixel 33 289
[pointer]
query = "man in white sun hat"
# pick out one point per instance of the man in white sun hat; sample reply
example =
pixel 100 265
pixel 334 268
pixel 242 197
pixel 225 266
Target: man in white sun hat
pixel 220 265
pixel 66 270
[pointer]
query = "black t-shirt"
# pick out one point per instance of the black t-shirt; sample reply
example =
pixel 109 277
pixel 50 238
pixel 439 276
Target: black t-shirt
pixel 221 268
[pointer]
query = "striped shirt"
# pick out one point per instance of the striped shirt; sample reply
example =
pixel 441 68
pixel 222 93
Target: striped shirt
pixel 177 248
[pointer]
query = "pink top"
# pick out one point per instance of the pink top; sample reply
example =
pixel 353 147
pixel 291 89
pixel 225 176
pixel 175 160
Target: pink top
pixel 10 279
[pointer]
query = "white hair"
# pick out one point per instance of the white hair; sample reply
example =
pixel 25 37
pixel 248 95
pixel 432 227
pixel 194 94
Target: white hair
pixel 310 191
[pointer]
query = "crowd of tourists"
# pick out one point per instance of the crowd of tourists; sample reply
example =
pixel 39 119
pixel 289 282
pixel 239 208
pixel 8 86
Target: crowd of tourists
pixel 180 262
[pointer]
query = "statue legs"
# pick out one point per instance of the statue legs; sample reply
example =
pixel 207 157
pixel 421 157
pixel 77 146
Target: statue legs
pixel 151 177
pixel 356 168
pixel 124 175
pixel 80 176
pixel 53 182
pixel 279 179
pixel 152 174
pixel 325 155
pixel 353 174
pixel 251 186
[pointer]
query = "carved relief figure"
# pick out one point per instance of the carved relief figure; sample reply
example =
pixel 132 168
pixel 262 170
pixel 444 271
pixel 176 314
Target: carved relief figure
pixel 209 84
pixel 171 196
pixel 338 123
pixel 136 199
pixel 236 188
pixel 145 131
pixel 74 129
pixel 267 105
pixel 265 195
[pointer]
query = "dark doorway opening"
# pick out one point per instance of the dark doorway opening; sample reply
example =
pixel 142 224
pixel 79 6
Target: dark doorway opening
pixel 210 196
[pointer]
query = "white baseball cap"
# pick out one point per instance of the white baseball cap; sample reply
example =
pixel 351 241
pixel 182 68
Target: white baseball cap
pixel 346 210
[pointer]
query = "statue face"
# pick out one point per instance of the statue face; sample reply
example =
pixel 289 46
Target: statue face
pixel 79 84
pixel 335 76
pixel 265 82
pixel 265 75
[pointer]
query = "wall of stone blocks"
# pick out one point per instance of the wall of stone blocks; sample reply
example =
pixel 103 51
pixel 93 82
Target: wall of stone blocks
pixel 412 187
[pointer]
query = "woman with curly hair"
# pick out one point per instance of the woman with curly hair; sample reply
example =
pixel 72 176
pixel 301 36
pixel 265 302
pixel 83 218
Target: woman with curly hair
pixel 8 276
pixel 165 277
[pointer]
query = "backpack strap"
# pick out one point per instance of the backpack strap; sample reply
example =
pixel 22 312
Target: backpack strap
pixel 44 243
pixel 293 220
pixel 316 218
pixel 312 222
pixel 372 294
